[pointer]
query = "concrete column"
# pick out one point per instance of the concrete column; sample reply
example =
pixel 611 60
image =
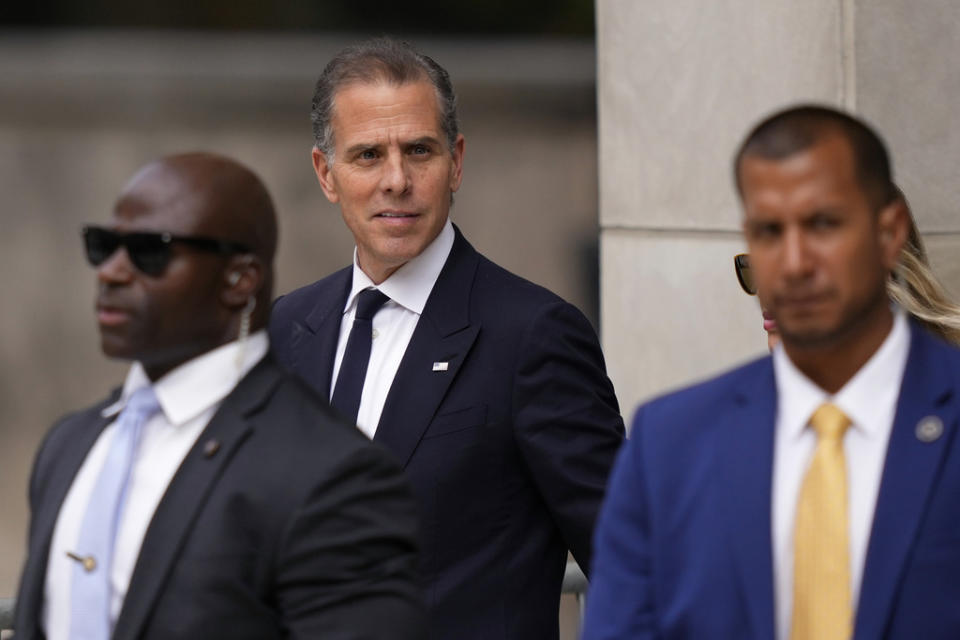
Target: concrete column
pixel 908 85
pixel 679 84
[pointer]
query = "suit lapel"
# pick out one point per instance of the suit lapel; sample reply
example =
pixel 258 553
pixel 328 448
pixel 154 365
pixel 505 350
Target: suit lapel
pixel 746 458
pixel 186 494
pixel 315 340
pixel 443 335
pixel 68 461
pixel 909 472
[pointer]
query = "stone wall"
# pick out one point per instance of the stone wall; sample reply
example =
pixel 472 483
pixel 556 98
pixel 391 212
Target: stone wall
pixel 680 82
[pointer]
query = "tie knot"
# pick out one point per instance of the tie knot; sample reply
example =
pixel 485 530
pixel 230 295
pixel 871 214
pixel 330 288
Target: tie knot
pixel 829 422
pixel 143 402
pixel 369 302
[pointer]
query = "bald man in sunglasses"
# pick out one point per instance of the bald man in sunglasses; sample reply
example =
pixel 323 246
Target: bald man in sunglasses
pixel 212 496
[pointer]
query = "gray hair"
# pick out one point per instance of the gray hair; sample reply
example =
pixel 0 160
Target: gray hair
pixel 379 60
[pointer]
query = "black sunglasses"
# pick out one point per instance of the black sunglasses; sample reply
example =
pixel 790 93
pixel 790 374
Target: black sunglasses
pixel 149 251
pixel 741 262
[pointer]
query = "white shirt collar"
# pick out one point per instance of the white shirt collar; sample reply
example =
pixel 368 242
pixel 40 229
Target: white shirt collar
pixel 410 285
pixel 198 384
pixel 798 396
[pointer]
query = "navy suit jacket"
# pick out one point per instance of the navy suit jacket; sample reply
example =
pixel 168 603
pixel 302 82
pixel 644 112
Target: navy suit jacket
pixel 683 549
pixel 292 526
pixel 508 449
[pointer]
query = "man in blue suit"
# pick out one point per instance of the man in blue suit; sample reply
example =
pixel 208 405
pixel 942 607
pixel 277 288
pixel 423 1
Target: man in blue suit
pixel 809 494
pixel 489 390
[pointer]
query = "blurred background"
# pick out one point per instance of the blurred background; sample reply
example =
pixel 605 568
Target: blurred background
pixel 598 146
pixel 91 91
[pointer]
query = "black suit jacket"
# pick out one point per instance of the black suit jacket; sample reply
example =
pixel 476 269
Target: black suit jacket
pixel 295 526
pixel 508 449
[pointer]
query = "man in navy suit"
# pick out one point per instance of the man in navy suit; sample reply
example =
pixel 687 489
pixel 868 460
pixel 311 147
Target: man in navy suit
pixel 214 495
pixel 490 390
pixel 814 493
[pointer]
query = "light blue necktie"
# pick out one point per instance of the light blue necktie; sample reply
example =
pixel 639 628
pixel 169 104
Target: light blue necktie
pixel 90 591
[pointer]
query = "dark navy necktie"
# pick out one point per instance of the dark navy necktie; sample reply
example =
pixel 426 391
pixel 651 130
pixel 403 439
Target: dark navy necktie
pixel 356 358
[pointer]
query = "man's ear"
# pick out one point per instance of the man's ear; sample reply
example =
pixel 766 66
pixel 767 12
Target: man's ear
pixel 243 278
pixel 893 225
pixel 324 175
pixel 456 175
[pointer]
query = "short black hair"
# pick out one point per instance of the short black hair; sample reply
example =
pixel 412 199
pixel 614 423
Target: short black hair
pixel 798 128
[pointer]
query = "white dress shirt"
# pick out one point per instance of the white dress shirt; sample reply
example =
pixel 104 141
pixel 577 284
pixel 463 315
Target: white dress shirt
pixel 869 399
pixel 189 396
pixel 408 289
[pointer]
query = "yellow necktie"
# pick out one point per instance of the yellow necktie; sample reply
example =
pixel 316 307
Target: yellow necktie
pixel 821 569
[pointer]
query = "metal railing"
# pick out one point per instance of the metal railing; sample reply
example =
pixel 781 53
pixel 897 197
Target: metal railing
pixel 574 582
pixel 6 613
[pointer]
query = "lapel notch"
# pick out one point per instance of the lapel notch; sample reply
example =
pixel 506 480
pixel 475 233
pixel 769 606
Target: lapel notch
pixel 418 390
pixel 746 457
pixel 912 465
pixel 443 335
pixel 68 457
pixel 185 496
pixel 314 344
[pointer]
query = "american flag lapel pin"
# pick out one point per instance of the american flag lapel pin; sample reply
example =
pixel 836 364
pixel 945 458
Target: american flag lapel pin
pixel 441 366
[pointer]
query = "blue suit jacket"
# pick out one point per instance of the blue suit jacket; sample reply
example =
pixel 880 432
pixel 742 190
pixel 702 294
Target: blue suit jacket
pixel 683 548
pixel 508 450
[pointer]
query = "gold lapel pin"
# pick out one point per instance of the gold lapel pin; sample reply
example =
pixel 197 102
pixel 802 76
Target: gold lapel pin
pixel 211 447
pixel 89 562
